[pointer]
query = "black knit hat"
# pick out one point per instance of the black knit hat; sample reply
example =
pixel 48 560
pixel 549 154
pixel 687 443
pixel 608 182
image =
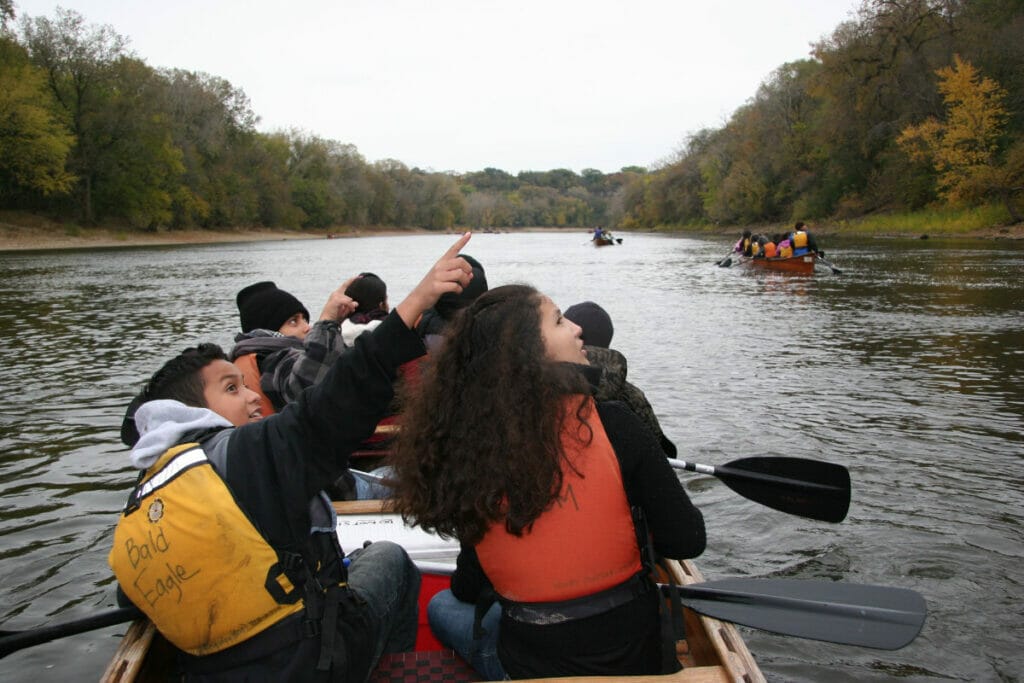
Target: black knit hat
pixel 595 321
pixel 262 306
pixel 450 303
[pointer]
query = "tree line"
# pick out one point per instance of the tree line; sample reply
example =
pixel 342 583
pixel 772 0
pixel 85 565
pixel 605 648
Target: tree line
pixel 913 103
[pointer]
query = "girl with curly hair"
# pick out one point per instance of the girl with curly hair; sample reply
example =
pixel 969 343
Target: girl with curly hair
pixel 504 448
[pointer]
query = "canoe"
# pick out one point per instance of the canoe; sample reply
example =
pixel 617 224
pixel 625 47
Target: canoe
pixel 713 651
pixel 603 241
pixel 794 264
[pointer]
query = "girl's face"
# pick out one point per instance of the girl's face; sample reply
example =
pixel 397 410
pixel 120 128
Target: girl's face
pixel 561 336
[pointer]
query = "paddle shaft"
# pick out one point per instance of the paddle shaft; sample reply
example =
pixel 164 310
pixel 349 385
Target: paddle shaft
pixel 760 477
pixel 12 641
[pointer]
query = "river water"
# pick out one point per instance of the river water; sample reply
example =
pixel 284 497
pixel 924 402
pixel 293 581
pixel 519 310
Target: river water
pixel 908 368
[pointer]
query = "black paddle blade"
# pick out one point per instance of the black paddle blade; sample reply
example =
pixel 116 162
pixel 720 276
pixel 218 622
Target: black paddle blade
pixel 808 488
pixel 726 262
pixel 848 613
pixel 12 641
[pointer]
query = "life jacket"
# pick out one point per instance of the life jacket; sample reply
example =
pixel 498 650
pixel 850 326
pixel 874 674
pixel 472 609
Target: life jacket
pixel 799 241
pixel 188 556
pixel 586 540
pixel 755 248
pixel 770 250
pixel 746 246
pixel 251 374
pixel 785 249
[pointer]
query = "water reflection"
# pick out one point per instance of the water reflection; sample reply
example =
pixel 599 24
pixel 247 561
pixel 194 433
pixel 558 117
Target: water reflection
pixel 907 368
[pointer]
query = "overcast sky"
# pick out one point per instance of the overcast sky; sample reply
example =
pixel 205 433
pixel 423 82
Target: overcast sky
pixel 460 85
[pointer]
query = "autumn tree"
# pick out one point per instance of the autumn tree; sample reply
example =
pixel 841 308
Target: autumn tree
pixel 964 147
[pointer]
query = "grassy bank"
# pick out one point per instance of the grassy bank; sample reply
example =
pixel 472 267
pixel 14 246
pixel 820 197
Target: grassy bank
pixel 988 221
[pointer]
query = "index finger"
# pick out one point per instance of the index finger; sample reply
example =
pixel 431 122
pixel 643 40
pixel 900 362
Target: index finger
pixel 454 250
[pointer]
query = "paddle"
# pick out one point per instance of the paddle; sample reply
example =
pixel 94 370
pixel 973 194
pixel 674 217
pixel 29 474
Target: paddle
pixel 807 488
pixel 821 259
pixel 725 262
pixel 847 613
pixel 12 641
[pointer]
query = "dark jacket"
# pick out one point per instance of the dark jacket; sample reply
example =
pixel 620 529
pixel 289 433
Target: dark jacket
pixel 277 466
pixel 289 365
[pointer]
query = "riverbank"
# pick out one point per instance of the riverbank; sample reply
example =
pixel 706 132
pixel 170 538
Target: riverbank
pixel 21 233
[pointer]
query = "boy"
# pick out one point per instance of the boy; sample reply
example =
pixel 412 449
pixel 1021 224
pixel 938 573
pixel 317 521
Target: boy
pixel 227 544
pixel 280 353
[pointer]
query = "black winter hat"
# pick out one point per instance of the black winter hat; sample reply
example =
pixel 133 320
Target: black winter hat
pixel 595 321
pixel 262 306
pixel 450 303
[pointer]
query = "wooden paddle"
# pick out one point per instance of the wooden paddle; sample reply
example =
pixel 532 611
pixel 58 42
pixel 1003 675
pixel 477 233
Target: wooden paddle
pixel 799 486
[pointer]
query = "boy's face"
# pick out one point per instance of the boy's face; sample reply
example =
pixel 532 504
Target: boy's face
pixel 296 326
pixel 226 394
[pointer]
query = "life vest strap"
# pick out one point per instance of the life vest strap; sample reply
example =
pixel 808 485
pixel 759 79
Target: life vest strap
pixel 543 613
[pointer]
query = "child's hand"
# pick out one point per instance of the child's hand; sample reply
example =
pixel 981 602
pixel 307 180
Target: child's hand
pixel 339 306
pixel 450 274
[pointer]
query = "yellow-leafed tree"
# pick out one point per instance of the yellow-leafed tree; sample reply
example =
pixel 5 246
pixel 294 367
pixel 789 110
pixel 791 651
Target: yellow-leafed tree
pixel 964 148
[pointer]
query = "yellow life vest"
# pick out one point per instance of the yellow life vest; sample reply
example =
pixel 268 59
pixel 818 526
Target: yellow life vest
pixel 755 248
pixel 799 240
pixel 188 556
pixel 785 252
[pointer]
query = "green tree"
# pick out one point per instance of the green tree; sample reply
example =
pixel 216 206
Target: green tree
pixel 34 145
pixel 78 61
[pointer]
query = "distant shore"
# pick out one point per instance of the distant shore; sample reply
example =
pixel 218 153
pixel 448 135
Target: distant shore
pixel 44 235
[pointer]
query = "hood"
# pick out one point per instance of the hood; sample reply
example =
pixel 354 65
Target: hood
pixel 163 423
pixel 613 375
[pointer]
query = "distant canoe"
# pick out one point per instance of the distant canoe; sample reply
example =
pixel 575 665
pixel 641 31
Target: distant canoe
pixel 606 241
pixel 794 264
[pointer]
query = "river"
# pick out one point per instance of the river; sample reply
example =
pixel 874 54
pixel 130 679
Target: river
pixel 908 368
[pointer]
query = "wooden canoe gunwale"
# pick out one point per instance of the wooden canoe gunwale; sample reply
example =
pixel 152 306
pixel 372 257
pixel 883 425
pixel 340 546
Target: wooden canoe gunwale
pixel 714 651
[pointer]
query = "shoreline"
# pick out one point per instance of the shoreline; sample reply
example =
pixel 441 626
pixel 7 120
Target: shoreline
pixel 16 238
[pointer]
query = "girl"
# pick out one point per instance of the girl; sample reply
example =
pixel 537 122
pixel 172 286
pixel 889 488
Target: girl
pixel 504 448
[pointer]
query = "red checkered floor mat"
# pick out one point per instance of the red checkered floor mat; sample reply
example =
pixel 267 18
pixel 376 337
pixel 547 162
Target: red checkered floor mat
pixel 423 667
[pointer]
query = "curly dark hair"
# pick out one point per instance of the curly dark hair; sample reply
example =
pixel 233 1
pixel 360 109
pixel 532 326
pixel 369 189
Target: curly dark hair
pixel 179 379
pixel 481 434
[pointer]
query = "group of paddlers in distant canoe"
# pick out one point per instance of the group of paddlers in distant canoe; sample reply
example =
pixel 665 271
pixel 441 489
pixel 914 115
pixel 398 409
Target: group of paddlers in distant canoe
pixel 796 242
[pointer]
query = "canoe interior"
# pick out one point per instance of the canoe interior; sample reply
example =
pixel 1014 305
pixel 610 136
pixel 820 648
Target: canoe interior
pixel 713 650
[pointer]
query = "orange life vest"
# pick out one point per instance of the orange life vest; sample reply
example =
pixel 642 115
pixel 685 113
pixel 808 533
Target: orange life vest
pixel 770 250
pixel 584 543
pixel 251 376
